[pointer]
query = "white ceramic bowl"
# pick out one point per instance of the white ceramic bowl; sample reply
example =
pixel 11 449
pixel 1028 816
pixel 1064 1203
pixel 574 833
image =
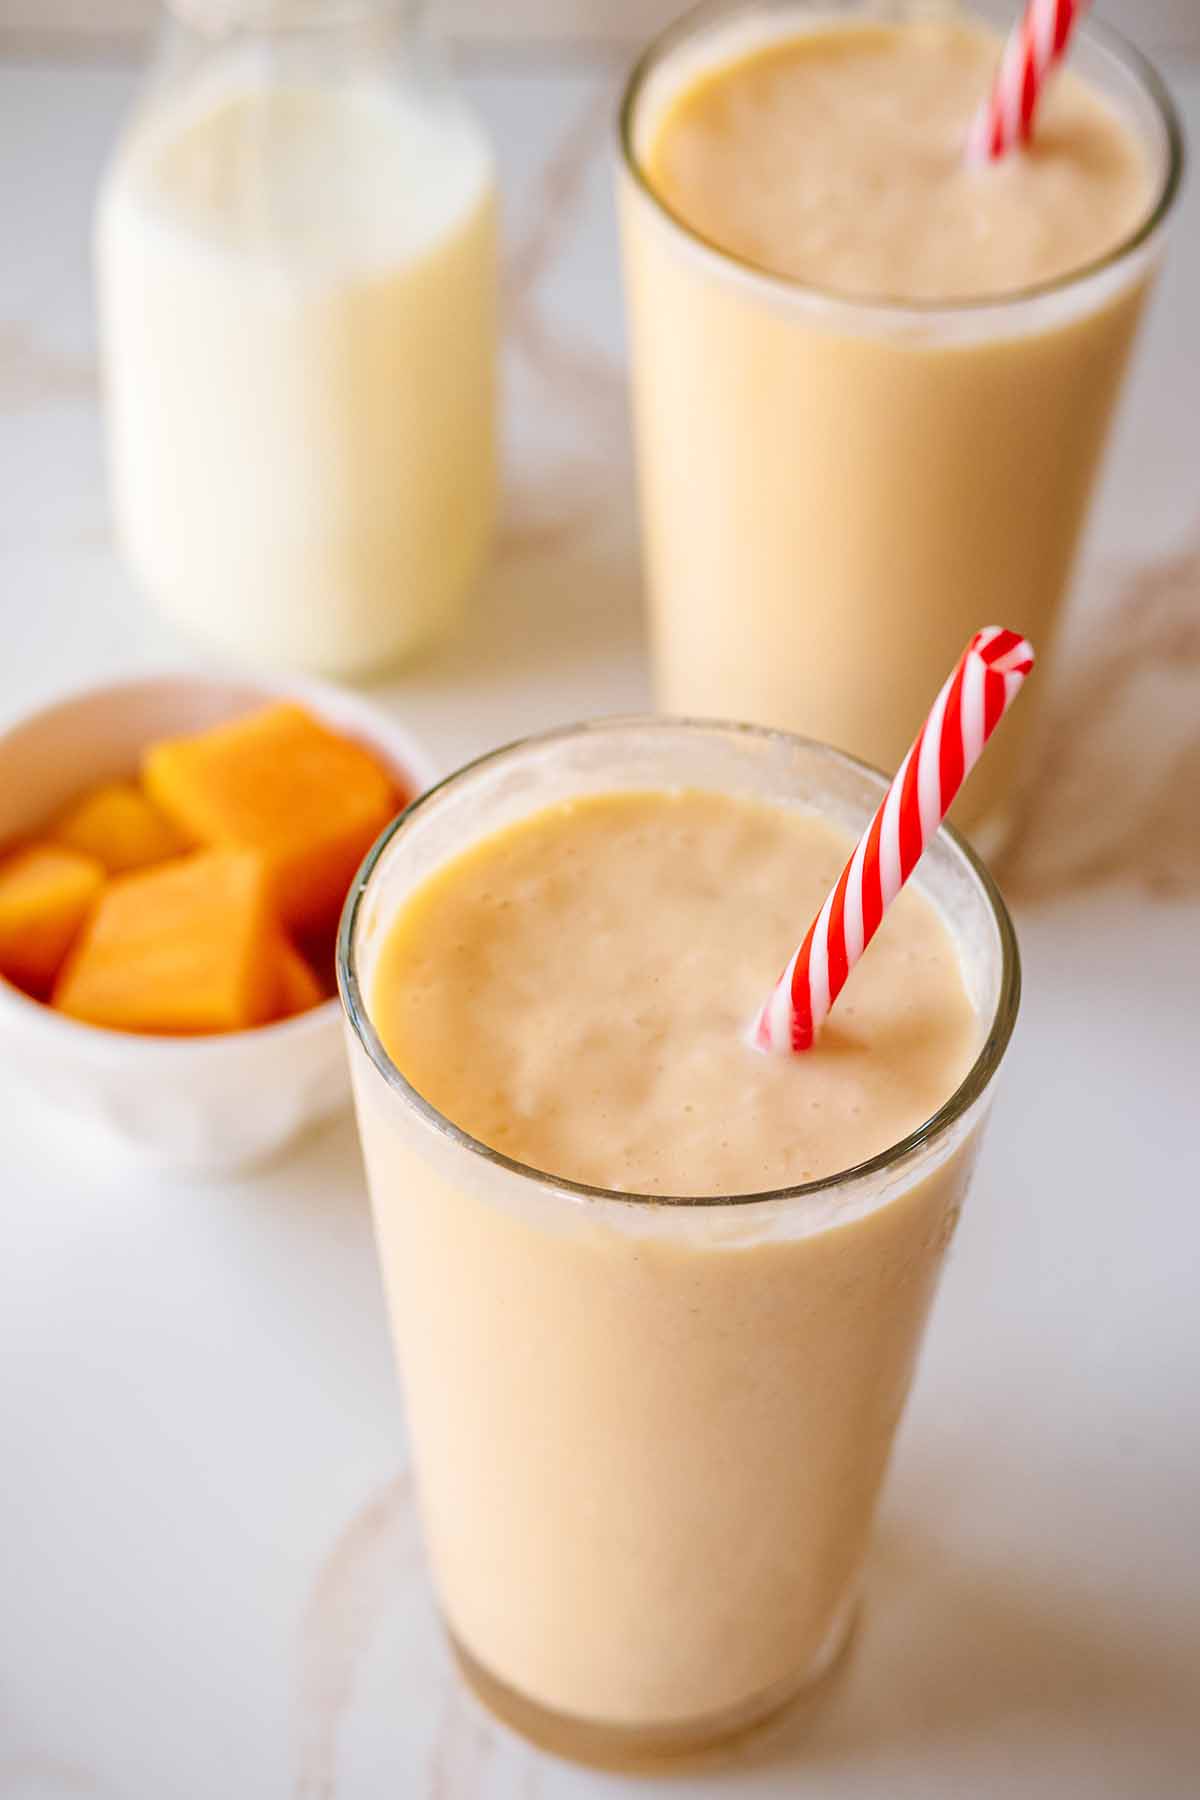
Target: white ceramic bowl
pixel 205 1104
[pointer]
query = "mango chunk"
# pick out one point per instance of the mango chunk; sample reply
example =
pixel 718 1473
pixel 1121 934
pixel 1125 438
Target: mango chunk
pixel 278 782
pixel 45 895
pixel 298 990
pixel 119 826
pixel 186 947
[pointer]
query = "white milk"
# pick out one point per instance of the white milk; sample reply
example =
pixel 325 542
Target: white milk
pixel 297 295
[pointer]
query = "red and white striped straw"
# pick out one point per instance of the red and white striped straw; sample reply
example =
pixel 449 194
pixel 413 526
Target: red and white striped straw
pixel 972 703
pixel 1035 44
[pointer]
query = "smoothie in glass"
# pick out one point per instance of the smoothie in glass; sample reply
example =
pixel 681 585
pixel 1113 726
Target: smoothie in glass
pixel 657 1297
pixel 871 385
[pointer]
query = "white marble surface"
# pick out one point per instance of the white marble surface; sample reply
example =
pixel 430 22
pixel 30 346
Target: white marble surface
pixel 210 1583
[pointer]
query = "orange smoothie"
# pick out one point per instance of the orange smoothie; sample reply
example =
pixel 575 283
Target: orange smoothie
pixel 871 385
pixel 649 1437
pixel 586 954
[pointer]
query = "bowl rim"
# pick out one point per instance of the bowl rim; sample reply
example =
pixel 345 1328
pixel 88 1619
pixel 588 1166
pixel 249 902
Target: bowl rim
pixel 407 751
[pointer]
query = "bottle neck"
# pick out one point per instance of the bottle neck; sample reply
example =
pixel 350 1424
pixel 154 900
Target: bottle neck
pixel 229 18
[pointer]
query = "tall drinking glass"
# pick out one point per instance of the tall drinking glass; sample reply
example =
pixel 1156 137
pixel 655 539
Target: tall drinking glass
pixel 649 1434
pixel 836 492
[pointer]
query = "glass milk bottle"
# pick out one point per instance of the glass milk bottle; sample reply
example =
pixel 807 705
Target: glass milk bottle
pixel 296 258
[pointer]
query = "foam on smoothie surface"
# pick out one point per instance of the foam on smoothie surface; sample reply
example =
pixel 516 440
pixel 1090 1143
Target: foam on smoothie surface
pixel 835 158
pixel 574 990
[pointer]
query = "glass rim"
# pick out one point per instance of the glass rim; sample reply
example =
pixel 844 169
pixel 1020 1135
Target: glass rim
pixel 1114 43
pixel 959 1102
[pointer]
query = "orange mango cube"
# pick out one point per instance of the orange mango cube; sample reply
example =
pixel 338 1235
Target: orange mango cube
pixel 118 825
pixel 45 894
pixel 187 947
pixel 299 990
pixel 280 783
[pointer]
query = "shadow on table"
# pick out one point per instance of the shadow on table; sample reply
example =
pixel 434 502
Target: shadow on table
pixel 948 1654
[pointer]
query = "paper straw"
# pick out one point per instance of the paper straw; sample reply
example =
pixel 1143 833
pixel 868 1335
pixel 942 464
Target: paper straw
pixel 1035 44
pixel 975 698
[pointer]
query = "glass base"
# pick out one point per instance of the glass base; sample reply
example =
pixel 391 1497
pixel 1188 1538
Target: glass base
pixel 649 1746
